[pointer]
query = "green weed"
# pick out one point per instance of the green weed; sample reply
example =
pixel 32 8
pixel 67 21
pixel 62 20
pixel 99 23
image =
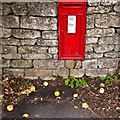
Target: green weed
pixel 74 82
pixel 108 79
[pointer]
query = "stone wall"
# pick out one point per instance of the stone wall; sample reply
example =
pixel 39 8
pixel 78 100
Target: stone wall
pixel 30 41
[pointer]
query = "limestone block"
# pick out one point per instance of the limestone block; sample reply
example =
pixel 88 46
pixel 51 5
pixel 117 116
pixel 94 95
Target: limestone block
pixel 40 23
pixel 97 32
pixel 32 49
pixel 19 8
pixel 41 56
pixel 9 49
pixel 96 72
pixel 43 8
pixel 10 21
pixel 21 63
pixel 105 21
pixel 77 72
pixel 50 64
pixel 89 64
pixel 22 33
pixel 49 35
pixel 103 48
pixel 70 64
pixel 108 63
pixel 11 56
pixel 61 72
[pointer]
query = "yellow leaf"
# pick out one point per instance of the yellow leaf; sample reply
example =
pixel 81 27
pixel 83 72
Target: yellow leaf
pixel 26 115
pixel 75 107
pixel 10 107
pixel 75 95
pixel 85 105
pixel 32 89
pixel 57 93
pixel 45 84
pixel 101 90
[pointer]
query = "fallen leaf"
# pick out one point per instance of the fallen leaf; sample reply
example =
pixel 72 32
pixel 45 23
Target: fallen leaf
pixel 85 105
pixel 26 115
pixel 57 93
pixel 32 89
pixel 10 107
pixel 101 90
pixel 75 95
pixel 45 84
pixel 75 107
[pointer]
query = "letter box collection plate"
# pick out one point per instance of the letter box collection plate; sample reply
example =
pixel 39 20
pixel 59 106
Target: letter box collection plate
pixel 71 24
pixel 71 29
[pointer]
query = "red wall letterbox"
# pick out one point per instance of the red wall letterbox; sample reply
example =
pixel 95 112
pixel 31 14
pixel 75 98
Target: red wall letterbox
pixel 72 29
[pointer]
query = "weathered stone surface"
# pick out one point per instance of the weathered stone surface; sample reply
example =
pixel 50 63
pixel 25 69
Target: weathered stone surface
pixel 89 64
pixel 118 31
pixel 6 9
pixel 32 49
pixel 50 64
pixel 97 32
pixel 28 41
pixel 107 63
pixel 19 8
pixel 9 49
pixel 78 64
pixel 92 55
pixel 10 21
pixel 37 56
pixel 22 33
pixel 10 41
pixel 112 54
pixel 70 64
pixel 91 40
pixel 21 63
pixel 96 72
pixel 1 49
pixel 108 2
pixel 16 72
pixel 111 72
pixel 44 43
pixel 90 21
pixel 109 40
pixel 55 56
pixel 1 32
pixel 7 33
pixel 88 47
pixel 117 7
pixel 105 21
pixel 5 63
pixel 38 72
pixel 93 2
pixel 117 48
pixel 40 23
pixel 49 35
pixel 99 9
pixel 61 72
pixel 43 8
pixel 1 25
pixel 53 50
pixel 77 72
pixel 103 48
pixel 11 56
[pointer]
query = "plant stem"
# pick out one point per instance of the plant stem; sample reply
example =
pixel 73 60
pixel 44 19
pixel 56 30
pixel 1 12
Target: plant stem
pixel 93 112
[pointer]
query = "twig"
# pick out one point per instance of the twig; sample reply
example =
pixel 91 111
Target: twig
pixel 93 112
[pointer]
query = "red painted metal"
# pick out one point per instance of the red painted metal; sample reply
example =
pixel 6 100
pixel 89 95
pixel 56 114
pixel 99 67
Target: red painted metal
pixel 72 44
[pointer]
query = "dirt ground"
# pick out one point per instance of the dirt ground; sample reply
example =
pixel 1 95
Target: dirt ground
pixel 106 105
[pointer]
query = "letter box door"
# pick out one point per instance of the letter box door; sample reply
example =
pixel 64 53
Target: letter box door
pixel 72 22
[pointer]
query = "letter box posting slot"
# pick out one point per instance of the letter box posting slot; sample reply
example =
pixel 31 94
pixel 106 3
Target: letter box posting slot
pixel 72 28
